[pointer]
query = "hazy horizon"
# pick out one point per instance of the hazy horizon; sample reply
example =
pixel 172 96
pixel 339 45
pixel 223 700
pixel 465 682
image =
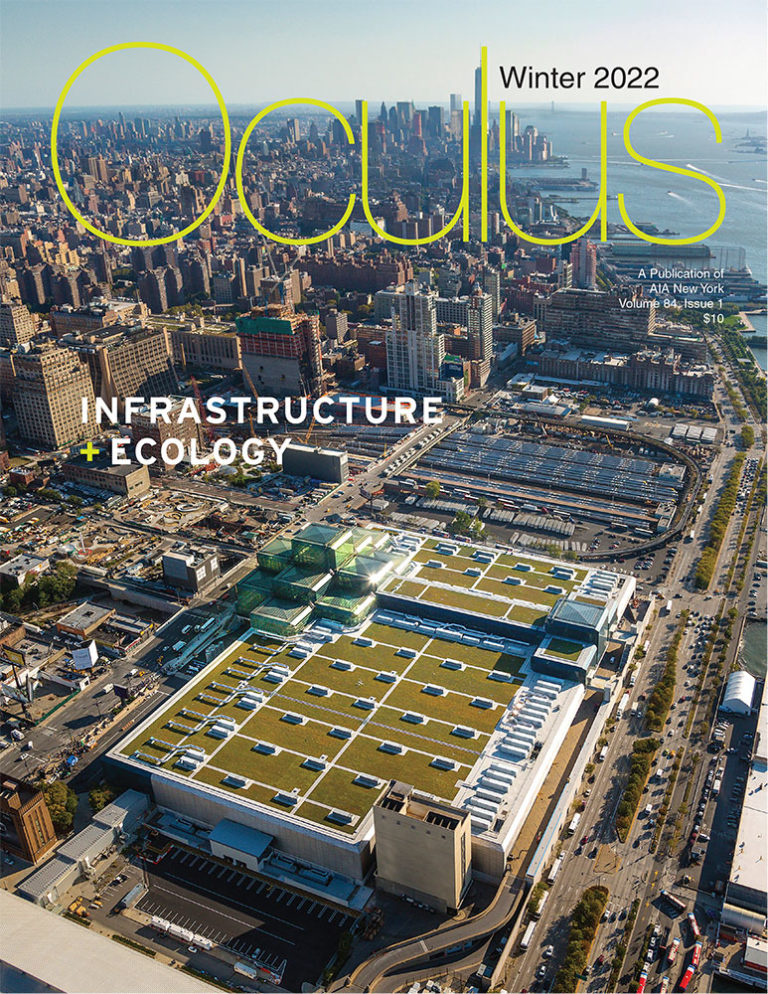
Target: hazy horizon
pixel 705 52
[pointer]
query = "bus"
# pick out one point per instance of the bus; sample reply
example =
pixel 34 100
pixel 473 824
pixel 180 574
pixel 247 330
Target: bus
pixel 527 935
pixel 674 901
pixel 696 954
pixel 696 931
pixel 539 911
pixel 686 978
pixel 574 824
pixel 603 754
pixel 673 951
pixel 642 983
pixel 664 985
pixel 556 868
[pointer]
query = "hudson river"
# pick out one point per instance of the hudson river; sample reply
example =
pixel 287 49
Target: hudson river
pixel 677 203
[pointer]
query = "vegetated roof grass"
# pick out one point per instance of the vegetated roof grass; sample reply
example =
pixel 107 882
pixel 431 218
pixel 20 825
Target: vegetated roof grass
pixel 339 708
pixel 311 738
pixel 411 767
pixel 406 588
pixel 256 792
pixel 359 681
pixel 464 601
pixel 319 813
pixel 395 636
pixel 378 657
pixel 470 680
pixel 338 790
pixel 565 648
pixel 282 771
pixel 527 615
pixel 451 576
pixel 519 591
pixel 427 736
pixel 511 559
pixel 360 753
pixel 429 549
pixel 540 577
pixel 453 708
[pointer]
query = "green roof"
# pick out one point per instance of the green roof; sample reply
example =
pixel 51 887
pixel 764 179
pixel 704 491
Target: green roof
pixel 247 325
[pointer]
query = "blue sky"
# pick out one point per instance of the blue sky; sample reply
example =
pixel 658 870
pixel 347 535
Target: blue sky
pixel 338 50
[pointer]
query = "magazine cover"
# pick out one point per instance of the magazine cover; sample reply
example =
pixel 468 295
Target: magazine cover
pixel 383 568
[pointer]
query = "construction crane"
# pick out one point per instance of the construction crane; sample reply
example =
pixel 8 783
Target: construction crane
pixel 201 410
pixel 309 432
pixel 255 394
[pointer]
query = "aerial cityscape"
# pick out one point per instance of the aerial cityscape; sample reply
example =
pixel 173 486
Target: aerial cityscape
pixel 383 566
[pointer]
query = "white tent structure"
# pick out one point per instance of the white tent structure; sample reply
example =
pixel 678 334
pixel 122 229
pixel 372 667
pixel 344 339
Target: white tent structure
pixel 739 693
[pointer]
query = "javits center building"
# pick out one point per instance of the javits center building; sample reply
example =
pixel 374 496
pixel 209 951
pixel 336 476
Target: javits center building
pixel 454 670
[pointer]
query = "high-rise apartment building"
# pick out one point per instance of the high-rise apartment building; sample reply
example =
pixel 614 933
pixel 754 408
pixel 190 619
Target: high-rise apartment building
pixel 415 348
pixel 593 318
pixel 183 430
pixel 474 313
pixel 17 325
pixel 584 262
pixel 492 285
pixel 129 362
pixel 281 350
pixel 48 390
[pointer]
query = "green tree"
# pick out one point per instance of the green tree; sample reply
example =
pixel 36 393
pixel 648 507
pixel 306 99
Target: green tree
pixel 62 804
pixel 101 796
pixel 432 489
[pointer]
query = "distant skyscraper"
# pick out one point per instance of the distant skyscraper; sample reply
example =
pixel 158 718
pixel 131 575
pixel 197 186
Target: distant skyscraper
pixel 359 111
pixel 49 386
pixel 415 350
pixel 17 325
pixel 435 120
pixel 584 262
pixel 478 95
pixel 405 111
pixel 456 102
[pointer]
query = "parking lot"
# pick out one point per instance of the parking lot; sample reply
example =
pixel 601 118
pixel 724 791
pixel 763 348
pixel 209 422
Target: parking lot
pixel 248 915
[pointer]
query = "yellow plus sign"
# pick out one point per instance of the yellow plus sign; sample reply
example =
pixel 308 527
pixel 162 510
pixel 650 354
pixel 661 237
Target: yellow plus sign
pixel 89 451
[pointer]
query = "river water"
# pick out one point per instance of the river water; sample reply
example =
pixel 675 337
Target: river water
pixel 677 203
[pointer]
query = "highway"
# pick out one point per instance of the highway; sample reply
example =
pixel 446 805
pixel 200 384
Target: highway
pixel 630 870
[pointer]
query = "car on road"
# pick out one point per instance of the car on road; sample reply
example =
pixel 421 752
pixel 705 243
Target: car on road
pixel 541 972
pixel 585 840
pixel 548 952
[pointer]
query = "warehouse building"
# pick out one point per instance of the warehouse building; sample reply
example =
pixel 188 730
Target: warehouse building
pixel 739 693
pixel 129 481
pixel 321 464
pixel 398 659
pixel 190 569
